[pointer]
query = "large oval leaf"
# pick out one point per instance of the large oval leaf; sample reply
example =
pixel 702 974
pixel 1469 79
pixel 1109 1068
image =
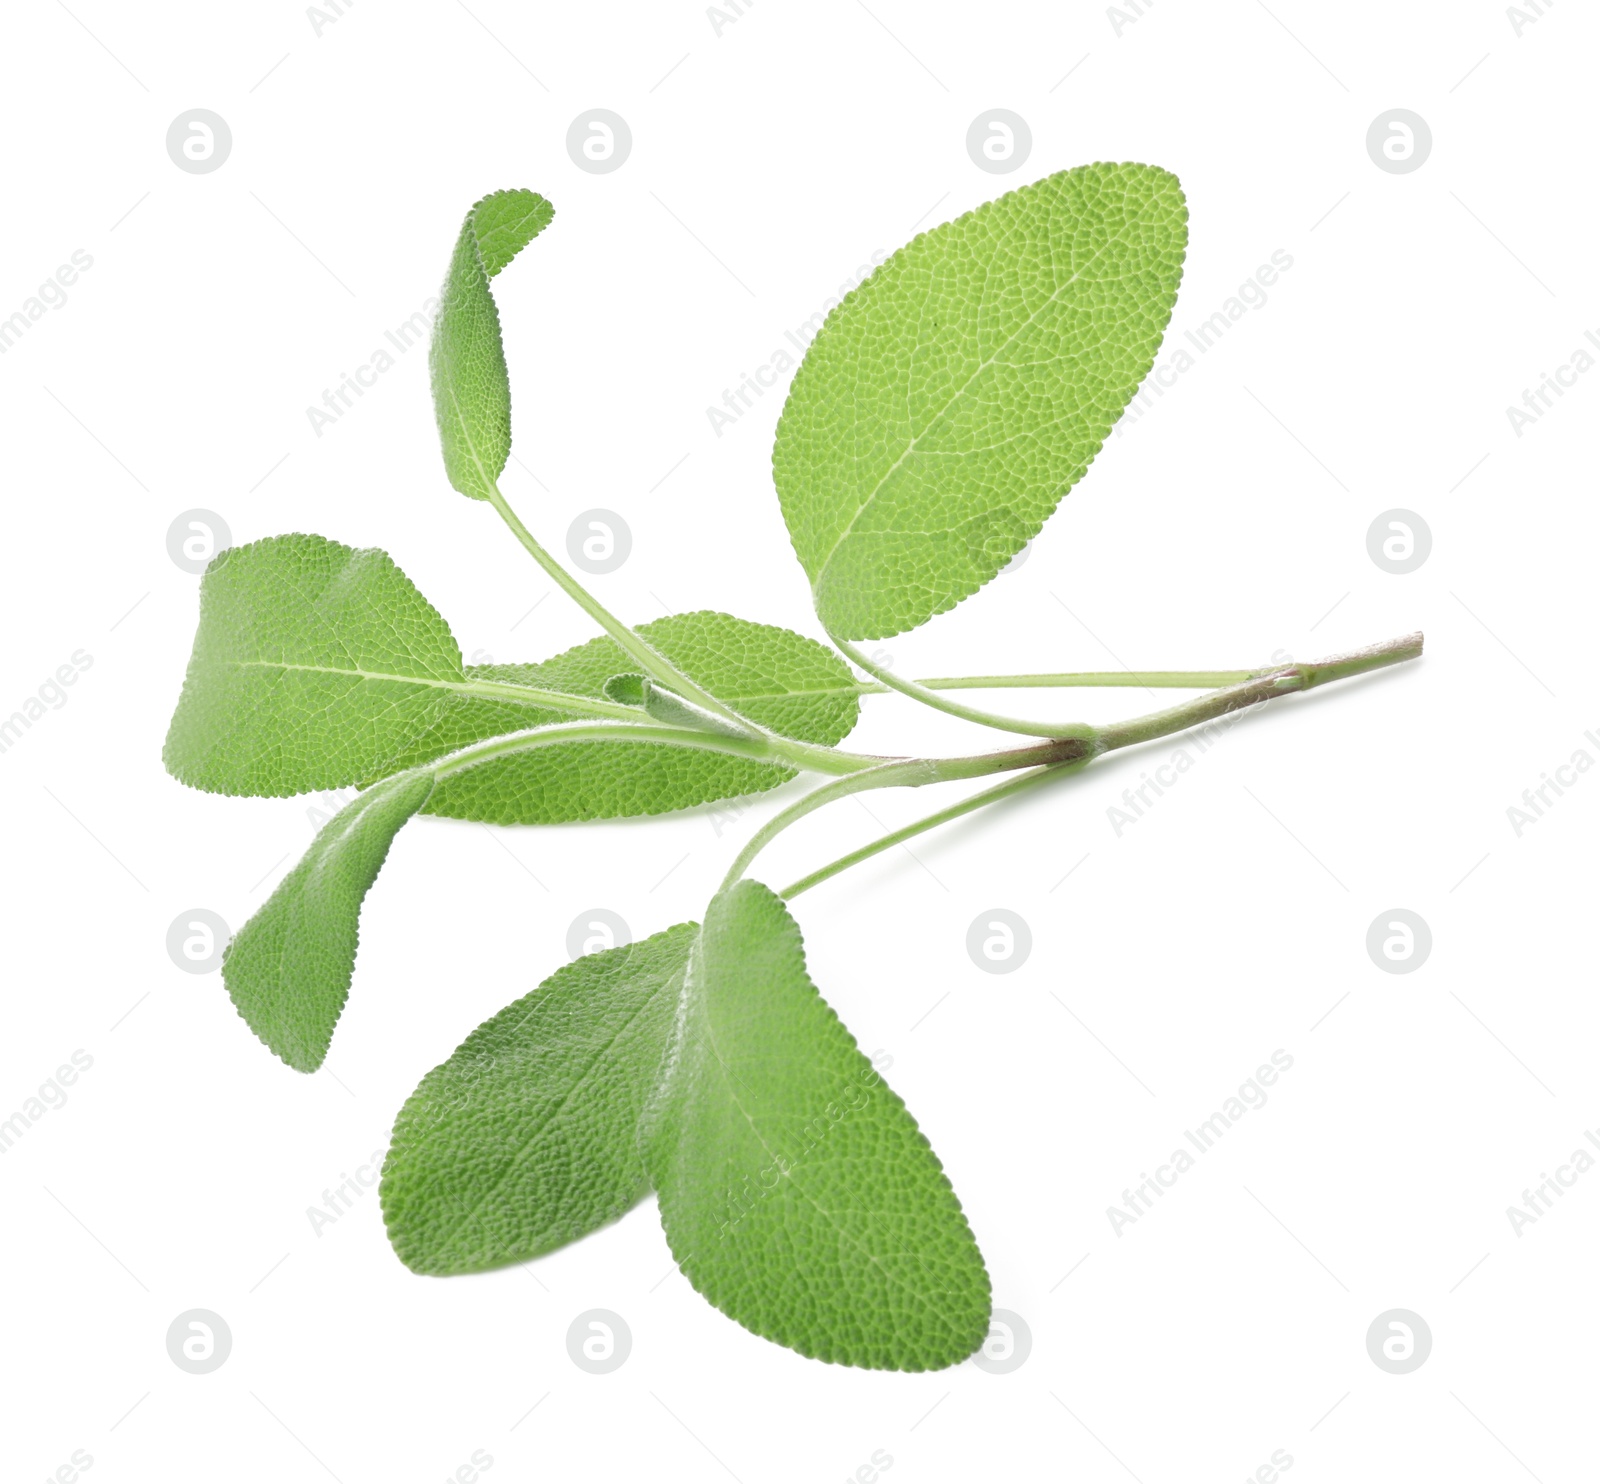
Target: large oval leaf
pixel 951 400
pixel 797 1193
pixel 528 1137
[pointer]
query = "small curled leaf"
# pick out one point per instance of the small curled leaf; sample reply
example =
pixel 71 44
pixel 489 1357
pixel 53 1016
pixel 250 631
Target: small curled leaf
pixel 661 704
pixel 467 361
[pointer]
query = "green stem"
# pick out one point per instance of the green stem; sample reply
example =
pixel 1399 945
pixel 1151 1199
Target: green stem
pixel 1102 679
pixel 651 660
pixel 909 773
pixel 1021 784
pixel 1067 755
pixel 856 773
pixel 1283 681
pixel 1075 730
pixel 759 749
pixel 529 695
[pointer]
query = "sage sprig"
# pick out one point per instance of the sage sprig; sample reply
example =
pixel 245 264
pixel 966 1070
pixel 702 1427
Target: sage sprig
pixel 938 418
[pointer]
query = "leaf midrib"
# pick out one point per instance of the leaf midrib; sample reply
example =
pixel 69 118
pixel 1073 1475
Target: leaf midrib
pixel 889 1275
pixel 464 687
pixel 487 482
pixel 550 1118
pixel 477 688
pixel 290 1027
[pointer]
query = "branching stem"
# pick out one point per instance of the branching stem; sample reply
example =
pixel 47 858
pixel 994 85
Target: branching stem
pixel 651 660
pixel 909 773
pixel 931 698
pixel 1063 755
pixel 858 773
pixel 1020 784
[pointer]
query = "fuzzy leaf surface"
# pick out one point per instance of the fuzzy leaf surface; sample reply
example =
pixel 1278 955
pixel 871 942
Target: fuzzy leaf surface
pixel 318 665
pixel 288 969
pixel 315 666
pixel 466 360
pixel 778 678
pixel 796 1191
pixel 528 1136
pixel 952 399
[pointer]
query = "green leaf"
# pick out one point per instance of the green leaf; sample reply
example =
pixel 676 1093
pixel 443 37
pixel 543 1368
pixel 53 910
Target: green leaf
pixel 315 666
pixel 288 969
pixel 778 678
pixel 796 1191
pixel 951 400
pixel 528 1137
pixel 471 391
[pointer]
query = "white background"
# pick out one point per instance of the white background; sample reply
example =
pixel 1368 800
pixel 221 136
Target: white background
pixel 1226 525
